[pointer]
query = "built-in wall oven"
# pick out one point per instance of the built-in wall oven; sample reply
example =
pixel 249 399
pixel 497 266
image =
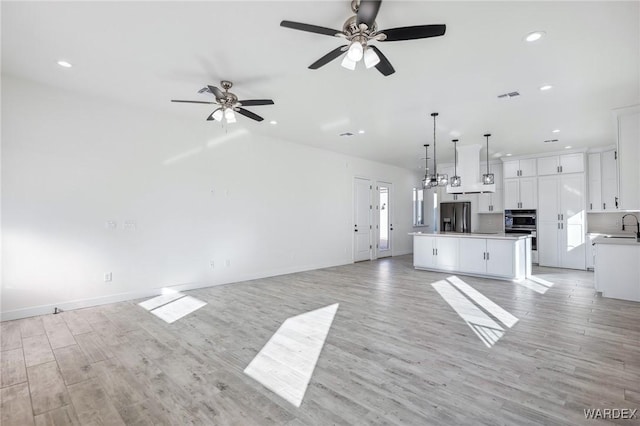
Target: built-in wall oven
pixel 522 222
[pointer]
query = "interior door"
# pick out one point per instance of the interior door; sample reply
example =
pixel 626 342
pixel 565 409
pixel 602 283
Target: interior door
pixel 362 226
pixel 385 219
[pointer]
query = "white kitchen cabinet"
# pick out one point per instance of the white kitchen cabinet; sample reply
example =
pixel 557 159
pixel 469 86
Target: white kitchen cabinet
pixel 435 253
pixel 491 202
pixel 487 257
pixel 603 181
pixel 561 221
pixel 520 193
pixel 628 123
pixel 610 199
pixel 565 163
pixel 473 257
pixel 423 252
pixel 594 163
pixel 617 268
pixel 519 168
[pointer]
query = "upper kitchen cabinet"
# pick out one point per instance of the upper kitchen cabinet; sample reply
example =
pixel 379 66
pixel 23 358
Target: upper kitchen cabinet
pixel 628 133
pixel 520 194
pixel 566 163
pixel 519 168
pixel 603 181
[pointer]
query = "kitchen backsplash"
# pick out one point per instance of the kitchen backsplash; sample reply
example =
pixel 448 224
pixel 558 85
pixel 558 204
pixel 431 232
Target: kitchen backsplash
pixel 490 223
pixel 610 222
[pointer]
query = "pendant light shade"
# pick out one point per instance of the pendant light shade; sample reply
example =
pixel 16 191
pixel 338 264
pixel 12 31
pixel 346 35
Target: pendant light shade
pixel 455 179
pixel 436 179
pixel 487 178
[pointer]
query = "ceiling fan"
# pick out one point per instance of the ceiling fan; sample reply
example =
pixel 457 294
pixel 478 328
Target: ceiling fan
pixel 228 103
pixel 359 30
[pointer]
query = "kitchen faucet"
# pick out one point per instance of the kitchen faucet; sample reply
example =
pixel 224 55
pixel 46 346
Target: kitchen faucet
pixel 637 225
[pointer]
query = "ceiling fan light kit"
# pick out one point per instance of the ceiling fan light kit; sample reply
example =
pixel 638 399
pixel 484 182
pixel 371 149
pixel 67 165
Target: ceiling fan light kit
pixel 359 31
pixel 228 104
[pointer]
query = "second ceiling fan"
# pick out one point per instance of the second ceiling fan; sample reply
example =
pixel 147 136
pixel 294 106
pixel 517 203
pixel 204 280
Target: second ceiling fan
pixel 359 30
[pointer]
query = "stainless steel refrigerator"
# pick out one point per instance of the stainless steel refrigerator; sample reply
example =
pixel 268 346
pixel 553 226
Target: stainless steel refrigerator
pixel 455 217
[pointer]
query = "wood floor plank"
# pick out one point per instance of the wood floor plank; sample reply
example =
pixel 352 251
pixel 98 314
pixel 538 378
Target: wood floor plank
pixel 37 350
pixel 73 364
pixel 93 347
pixel 15 406
pixel 12 368
pixel 30 327
pixel 76 323
pixel 60 416
pixel 396 353
pixel 93 405
pixel 10 335
pixel 47 387
pixel 57 331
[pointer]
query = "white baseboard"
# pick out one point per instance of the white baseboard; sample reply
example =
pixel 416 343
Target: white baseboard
pixel 33 311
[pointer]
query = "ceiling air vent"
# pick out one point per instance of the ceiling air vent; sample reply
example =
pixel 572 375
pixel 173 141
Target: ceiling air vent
pixel 551 140
pixel 509 95
pixel 346 134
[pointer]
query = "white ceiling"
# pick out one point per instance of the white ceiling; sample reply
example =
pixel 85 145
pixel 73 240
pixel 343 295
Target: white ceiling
pixel 146 53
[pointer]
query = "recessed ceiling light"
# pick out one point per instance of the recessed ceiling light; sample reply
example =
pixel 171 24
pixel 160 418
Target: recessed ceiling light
pixel 361 132
pixel 508 155
pixel 546 87
pixel 274 122
pixel 534 36
pixel 555 131
pixel 64 64
pixel 567 147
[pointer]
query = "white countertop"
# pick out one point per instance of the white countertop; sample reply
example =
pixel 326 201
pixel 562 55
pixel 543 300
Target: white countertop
pixel 617 241
pixel 496 236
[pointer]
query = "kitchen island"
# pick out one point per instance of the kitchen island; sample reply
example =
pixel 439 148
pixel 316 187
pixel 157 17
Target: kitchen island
pixel 501 256
pixel 617 267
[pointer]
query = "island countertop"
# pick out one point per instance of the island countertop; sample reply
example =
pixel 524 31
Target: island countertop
pixel 493 236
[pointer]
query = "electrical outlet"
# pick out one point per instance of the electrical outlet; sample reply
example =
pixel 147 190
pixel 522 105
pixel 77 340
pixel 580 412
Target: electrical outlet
pixel 227 263
pixel 108 277
pixel 211 264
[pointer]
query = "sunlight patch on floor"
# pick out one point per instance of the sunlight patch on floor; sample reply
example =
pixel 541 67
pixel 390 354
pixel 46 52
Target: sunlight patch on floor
pixel 171 306
pixel 286 363
pixel 461 297
pixel 537 284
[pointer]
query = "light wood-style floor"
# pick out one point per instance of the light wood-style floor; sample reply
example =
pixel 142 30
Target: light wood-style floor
pixel 396 353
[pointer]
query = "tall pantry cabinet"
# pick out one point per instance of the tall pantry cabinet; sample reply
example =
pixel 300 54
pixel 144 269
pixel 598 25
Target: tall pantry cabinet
pixel 562 213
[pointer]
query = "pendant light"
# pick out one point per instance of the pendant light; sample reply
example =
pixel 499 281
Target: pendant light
pixel 426 182
pixel 436 179
pixel 455 179
pixel 487 178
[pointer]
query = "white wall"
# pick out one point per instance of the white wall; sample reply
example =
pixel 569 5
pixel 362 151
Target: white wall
pixel 196 193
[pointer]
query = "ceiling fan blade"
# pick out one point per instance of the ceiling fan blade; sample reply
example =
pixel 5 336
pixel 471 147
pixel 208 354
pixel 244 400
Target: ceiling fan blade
pixel 254 102
pixel 192 102
pixel 413 33
pixel 249 114
pixel 384 66
pixel 328 57
pixel 309 28
pixel 219 94
pixel 367 12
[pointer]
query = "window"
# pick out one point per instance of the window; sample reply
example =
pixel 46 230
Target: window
pixel 418 207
